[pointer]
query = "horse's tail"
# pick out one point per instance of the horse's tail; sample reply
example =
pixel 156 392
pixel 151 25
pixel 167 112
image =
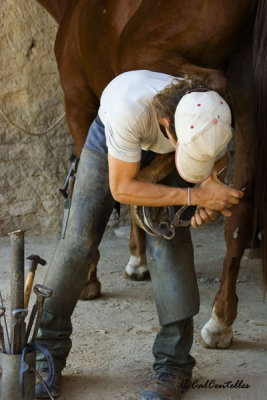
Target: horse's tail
pixel 260 139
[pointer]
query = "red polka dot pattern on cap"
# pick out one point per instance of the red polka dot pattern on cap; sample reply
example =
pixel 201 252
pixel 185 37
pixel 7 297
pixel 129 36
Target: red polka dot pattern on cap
pixel 192 126
pixel 199 105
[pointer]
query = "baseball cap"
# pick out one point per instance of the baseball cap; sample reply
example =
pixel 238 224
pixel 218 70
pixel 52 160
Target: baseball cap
pixel 203 128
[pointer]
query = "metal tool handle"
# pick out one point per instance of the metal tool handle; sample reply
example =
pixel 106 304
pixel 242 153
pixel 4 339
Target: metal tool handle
pixel 20 313
pixel 42 293
pixel 18 334
pixel 42 290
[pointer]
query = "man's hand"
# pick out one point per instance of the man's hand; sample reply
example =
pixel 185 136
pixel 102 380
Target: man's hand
pixel 203 216
pixel 214 195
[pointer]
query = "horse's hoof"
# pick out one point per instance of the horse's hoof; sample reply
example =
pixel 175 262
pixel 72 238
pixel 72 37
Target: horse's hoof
pixel 91 291
pixel 136 270
pixel 214 336
pixel 137 276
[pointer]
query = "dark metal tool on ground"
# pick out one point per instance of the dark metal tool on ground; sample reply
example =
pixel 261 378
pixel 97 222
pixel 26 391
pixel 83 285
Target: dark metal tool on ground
pixel 35 260
pixel 2 338
pixel 18 335
pixel 42 293
pixel 74 165
pixel 67 192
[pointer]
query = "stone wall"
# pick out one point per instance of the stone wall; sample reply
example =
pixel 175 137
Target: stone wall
pixel 31 168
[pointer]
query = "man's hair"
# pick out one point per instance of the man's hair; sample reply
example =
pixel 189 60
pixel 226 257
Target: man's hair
pixel 165 102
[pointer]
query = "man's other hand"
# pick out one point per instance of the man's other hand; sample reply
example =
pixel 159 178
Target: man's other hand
pixel 203 216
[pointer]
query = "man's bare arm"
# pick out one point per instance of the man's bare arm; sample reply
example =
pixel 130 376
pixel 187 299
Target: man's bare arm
pixel 125 188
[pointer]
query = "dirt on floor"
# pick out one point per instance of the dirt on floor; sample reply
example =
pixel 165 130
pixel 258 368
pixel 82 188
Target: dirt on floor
pixel 112 336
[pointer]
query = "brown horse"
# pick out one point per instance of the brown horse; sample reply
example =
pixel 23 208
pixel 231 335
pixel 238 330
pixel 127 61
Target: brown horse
pixel 98 40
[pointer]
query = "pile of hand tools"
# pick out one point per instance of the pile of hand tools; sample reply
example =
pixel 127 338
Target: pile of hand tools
pixel 12 347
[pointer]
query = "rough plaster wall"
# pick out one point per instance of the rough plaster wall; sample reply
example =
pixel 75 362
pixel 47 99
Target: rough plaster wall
pixel 31 168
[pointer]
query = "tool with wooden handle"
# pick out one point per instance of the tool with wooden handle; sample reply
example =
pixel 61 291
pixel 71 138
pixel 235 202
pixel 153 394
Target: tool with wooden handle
pixel 35 260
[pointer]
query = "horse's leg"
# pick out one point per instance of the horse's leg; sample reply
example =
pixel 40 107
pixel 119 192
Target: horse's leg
pixel 136 268
pixel 92 286
pixel 218 332
pixel 157 170
pixel 80 112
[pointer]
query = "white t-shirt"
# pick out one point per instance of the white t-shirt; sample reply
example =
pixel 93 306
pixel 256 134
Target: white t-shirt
pixel 128 116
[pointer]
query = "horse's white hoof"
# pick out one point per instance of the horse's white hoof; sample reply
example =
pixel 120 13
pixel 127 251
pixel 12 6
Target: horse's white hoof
pixel 135 270
pixel 214 335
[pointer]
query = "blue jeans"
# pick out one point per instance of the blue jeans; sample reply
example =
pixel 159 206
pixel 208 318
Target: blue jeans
pixel 171 267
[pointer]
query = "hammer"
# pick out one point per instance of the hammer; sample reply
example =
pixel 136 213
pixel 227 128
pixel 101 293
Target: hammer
pixel 35 260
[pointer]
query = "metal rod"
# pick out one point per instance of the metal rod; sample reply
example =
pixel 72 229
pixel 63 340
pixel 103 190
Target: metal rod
pixel 17 272
pixel 2 337
pixel 222 170
pixel 7 334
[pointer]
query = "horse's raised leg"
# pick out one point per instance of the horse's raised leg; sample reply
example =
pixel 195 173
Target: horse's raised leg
pixel 157 170
pixel 136 268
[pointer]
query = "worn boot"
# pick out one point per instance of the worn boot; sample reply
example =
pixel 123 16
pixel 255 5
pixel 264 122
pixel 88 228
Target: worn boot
pixel 165 386
pixel 55 390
